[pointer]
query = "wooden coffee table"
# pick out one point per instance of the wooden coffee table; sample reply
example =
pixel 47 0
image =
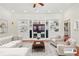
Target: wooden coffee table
pixel 38 46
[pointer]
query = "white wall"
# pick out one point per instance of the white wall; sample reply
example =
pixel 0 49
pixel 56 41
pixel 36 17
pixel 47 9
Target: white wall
pixel 49 17
pixel 73 15
pixel 6 15
pixel 12 28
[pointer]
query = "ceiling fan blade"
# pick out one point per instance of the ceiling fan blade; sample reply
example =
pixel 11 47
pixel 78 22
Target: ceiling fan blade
pixel 41 4
pixel 34 5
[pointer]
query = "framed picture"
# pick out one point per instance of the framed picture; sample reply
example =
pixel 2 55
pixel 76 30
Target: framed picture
pixel 3 26
pixel 54 25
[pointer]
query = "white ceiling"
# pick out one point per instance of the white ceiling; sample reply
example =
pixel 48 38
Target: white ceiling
pixel 28 7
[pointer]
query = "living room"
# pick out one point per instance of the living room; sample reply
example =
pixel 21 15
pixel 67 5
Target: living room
pixel 39 29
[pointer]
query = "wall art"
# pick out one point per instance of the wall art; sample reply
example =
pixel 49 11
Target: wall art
pixel 3 26
pixel 54 25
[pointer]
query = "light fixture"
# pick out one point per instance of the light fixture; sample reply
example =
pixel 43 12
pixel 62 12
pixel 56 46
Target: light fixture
pixel 37 5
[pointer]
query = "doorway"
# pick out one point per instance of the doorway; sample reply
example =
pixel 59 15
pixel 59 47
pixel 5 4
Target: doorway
pixel 67 29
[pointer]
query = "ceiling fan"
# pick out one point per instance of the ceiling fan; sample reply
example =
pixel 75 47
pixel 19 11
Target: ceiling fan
pixel 40 4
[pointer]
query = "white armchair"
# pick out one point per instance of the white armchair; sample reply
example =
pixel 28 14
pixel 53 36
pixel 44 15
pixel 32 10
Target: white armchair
pixel 70 50
pixel 67 48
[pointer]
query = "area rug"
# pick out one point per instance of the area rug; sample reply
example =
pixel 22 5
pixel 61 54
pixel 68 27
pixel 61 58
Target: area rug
pixel 49 51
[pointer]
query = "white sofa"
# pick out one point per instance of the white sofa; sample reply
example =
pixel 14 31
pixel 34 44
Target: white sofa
pixel 13 51
pixel 11 44
pixel 4 40
pixel 61 46
pixel 10 41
